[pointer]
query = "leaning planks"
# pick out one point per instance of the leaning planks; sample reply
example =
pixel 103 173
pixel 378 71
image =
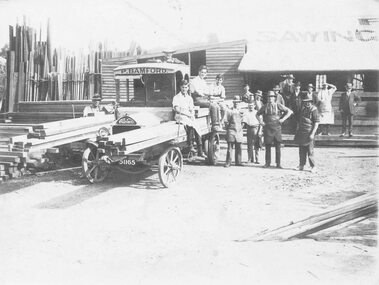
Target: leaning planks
pixel 364 205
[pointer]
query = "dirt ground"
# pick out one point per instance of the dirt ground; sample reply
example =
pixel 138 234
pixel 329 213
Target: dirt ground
pixel 58 229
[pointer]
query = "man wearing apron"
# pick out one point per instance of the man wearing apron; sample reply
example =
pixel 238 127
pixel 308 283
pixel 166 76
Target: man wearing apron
pixel 234 133
pixel 272 126
pixel 305 135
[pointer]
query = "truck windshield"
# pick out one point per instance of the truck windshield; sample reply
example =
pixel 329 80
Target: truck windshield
pixel 154 90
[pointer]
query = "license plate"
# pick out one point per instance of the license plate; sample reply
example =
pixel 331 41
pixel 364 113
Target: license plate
pixel 127 161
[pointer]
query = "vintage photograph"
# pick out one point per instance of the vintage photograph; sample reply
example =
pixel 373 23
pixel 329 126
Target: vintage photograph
pixel 189 142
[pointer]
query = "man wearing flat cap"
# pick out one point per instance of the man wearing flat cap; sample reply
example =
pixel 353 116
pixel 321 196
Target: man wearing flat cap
pixel 272 114
pixel 94 108
pixel 305 135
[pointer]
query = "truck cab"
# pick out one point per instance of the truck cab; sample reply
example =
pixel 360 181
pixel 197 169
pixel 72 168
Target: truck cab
pixel 151 84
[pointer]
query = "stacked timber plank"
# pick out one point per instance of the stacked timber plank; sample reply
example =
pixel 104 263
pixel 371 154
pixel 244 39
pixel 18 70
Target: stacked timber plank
pixel 362 207
pixel 20 142
pixel 141 139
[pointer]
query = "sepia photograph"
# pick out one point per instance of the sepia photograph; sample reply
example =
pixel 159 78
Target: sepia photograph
pixel 189 142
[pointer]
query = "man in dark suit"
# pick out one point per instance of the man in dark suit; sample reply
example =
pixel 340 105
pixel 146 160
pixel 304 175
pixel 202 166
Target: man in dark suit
pixel 348 101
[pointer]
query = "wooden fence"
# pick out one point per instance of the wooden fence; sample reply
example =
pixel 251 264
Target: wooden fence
pixel 36 72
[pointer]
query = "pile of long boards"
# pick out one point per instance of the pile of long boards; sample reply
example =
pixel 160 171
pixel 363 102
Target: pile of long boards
pixel 18 142
pixel 140 140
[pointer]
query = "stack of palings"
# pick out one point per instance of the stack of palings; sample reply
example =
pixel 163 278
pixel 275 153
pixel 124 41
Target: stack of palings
pixel 19 141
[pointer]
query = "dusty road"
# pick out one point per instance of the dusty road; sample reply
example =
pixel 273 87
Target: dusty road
pixel 58 229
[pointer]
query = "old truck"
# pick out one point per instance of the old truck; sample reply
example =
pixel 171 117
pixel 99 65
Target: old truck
pixel 145 134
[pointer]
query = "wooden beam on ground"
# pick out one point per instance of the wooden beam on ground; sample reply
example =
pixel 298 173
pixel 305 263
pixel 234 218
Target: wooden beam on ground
pixel 362 206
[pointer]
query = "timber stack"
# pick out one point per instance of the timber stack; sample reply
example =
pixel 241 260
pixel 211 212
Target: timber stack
pixel 136 140
pixel 23 144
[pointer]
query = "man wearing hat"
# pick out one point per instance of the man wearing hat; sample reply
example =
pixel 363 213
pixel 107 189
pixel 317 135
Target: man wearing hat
pixel 272 114
pixel 325 109
pixel 94 108
pixel 287 87
pixel 234 133
pixel 305 135
pixel 251 123
pixel 310 89
pixel 348 101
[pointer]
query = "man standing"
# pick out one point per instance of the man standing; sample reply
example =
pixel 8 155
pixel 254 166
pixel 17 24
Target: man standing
pixel 252 126
pixel 234 133
pixel 272 121
pixel 305 135
pixel 348 101
pixel 94 108
pixel 201 93
pixel 183 106
pixel 325 109
pixel 287 87
pixel 309 91
pixel 295 105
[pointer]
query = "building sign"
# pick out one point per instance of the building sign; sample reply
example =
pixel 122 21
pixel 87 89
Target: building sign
pixel 359 35
pixel 143 70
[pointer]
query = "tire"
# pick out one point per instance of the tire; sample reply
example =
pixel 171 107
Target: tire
pixel 213 148
pixel 206 146
pixel 170 165
pixel 93 168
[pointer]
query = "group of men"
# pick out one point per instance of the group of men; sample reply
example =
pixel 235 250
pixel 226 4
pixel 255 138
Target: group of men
pixel 307 110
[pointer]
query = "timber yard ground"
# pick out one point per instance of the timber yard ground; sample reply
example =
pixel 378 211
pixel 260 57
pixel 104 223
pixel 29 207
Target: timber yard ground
pixel 58 229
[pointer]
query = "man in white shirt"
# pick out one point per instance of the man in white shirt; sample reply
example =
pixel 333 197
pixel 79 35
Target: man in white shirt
pixel 183 106
pixel 201 93
pixel 324 105
pixel 251 123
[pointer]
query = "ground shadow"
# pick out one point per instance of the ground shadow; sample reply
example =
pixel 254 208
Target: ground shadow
pixel 146 181
pixel 32 179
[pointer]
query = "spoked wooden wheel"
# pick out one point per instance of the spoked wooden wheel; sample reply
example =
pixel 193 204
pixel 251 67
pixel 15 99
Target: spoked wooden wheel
pixel 94 169
pixel 170 165
pixel 214 149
